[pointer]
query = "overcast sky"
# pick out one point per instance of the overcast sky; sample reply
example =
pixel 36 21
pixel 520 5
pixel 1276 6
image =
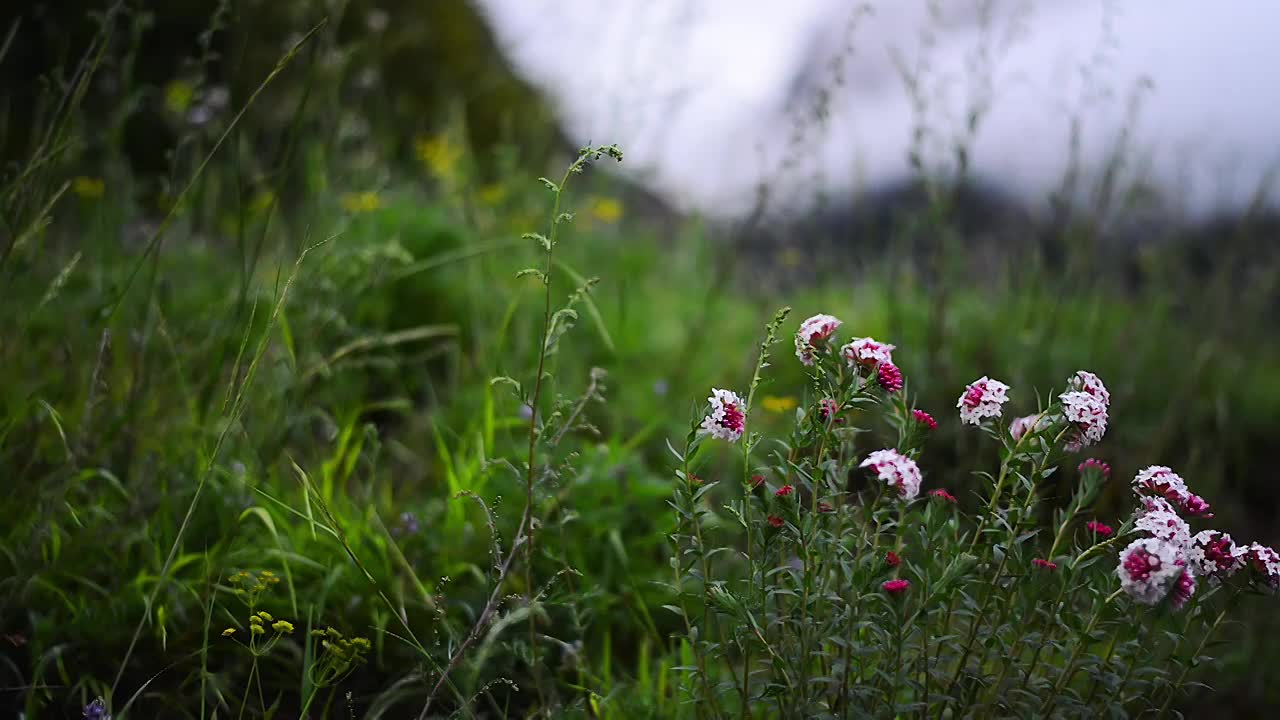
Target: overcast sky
pixel 712 98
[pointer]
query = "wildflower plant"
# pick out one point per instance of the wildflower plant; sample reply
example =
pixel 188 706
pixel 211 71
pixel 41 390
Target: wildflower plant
pixel 261 632
pixel 550 420
pixel 828 579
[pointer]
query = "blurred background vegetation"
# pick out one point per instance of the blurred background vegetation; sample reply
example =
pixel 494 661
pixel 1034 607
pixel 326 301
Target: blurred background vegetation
pixel 159 184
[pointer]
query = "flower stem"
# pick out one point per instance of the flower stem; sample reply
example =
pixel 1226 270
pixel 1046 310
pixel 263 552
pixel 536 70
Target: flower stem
pixel 1173 690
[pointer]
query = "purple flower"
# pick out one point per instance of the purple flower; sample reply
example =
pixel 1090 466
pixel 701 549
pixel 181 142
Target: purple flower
pixel 96 710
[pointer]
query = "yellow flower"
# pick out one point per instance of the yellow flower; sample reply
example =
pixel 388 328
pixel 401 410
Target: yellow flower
pixel 361 202
pixel 228 632
pixel 438 155
pixel 606 210
pixel 254 620
pixel 261 202
pixel 256 629
pixel 282 626
pixel 267 574
pixel 89 188
pixel 775 404
pixel 177 96
pixel 492 194
pixel 265 615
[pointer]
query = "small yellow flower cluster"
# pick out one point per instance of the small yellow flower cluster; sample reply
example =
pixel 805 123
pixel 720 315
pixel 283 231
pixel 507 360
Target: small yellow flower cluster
pixel 361 202
pixel 492 194
pixel 775 404
pixel 605 209
pixel 339 656
pixel 258 625
pixel 251 585
pixel 261 202
pixel 88 188
pixel 177 96
pixel 438 155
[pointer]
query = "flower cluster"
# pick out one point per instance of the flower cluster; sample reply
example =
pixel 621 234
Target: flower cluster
pixel 925 419
pixel 338 656
pixel 828 409
pixel 1027 423
pixel 896 587
pixel 1088 414
pixel 1214 555
pixel 1148 567
pixel 1160 482
pixel 868 353
pixel 812 333
pixel 1085 406
pixel 1099 529
pixel 1166 564
pixel 943 495
pixel 983 398
pixel 1265 563
pixel 1095 465
pixel 1183 588
pixel 897 470
pixel 1160 520
pixel 727 419
pixel 1086 382
pixel 889 377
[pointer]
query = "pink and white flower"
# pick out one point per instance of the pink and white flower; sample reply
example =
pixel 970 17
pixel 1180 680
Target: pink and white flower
pixel 1213 554
pixel 727 419
pixel 1087 382
pixel 1265 562
pixel 1160 481
pixel 1183 588
pixel 1027 423
pixel 1161 521
pixel 1148 569
pixel 1087 413
pixel 828 409
pixel 814 331
pixel 1195 506
pixel 897 470
pixel 982 398
pixel 867 352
